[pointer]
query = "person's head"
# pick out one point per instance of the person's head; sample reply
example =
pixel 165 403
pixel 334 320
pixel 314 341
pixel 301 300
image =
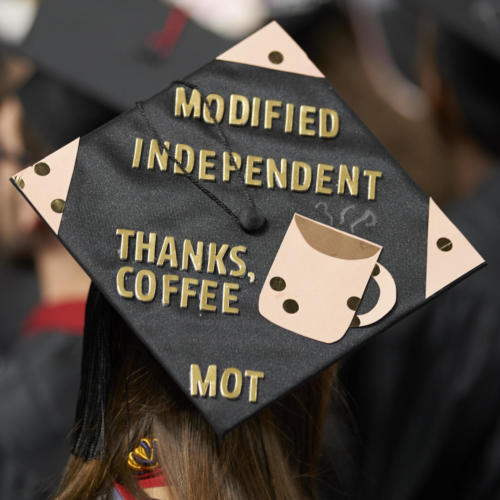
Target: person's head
pixel 272 455
pixel 462 82
pixel 40 116
pixel 19 223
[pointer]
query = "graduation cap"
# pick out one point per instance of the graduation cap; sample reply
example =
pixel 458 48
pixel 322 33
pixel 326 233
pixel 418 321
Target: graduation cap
pixel 120 51
pixel 247 226
pixel 96 59
pixel 117 51
pixel 57 113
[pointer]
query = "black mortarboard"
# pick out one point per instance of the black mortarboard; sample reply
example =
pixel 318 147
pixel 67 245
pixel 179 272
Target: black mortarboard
pixel 57 113
pixel 97 58
pixel 117 51
pixel 247 226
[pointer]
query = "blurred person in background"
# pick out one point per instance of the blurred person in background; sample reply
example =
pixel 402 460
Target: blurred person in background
pixel 366 49
pixel 426 390
pixel 19 291
pixel 369 61
pixel 40 372
pixel 40 364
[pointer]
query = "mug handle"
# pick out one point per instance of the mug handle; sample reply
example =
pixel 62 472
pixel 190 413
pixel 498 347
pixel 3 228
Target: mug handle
pixel 386 300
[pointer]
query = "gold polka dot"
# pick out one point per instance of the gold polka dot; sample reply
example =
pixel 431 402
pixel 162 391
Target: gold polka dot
pixel 278 284
pixel 355 322
pixel 376 270
pixel 58 205
pixel 19 182
pixel 42 169
pixel 353 303
pixel 275 57
pixel 444 244
pixel 290 306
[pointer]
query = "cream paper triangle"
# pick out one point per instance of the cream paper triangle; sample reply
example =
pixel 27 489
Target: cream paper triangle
pixel 444 267
pixel 256 49
pixel 47 191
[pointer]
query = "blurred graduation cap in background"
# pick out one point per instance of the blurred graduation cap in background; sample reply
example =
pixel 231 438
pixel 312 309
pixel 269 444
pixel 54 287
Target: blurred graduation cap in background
pixel 95 59
pixel 247 226
pixel 117 51
pixel 121 51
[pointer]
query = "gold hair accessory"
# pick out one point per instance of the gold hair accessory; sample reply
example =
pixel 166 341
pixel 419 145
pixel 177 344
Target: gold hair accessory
pixel 145 456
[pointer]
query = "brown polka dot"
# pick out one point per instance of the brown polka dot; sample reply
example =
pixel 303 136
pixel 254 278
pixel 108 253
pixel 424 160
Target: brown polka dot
pixel 42 169
pixel 444 244
pixel 355 322
pixel 376 270
pixel 353 303
pixel 58 205
pixel 275 57
pixel 290 306
pixel 278 284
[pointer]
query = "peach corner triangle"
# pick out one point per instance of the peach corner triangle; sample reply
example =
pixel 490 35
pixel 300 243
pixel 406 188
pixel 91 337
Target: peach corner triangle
pixel 46 184
pixel 273 48
pixel 449 254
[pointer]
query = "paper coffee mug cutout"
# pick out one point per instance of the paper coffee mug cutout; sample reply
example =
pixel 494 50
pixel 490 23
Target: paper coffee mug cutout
pixel 318 278
pixel 386 300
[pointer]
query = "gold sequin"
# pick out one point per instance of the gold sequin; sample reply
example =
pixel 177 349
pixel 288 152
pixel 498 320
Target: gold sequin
pixel 290 306
pixel 355 322
pixel 42 169
pixel 278 284
pixel 57 205
pixel 444 244
pixel 276 57
pixel 353 303
pixel 19 182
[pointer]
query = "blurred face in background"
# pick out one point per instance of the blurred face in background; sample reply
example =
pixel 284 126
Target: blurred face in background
pixel 17 219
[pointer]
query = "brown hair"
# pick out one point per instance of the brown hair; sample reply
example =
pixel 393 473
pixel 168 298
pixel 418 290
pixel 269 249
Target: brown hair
pixel 274 455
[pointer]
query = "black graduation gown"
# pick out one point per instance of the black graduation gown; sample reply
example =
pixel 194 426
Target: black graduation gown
pixel 428 390
pixel 39 380
pixel 18 295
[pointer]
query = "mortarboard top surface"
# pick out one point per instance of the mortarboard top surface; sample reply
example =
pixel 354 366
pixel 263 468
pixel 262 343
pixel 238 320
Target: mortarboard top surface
pixel 242 263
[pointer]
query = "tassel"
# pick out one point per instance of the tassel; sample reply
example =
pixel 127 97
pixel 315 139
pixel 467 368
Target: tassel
pixel 89 433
